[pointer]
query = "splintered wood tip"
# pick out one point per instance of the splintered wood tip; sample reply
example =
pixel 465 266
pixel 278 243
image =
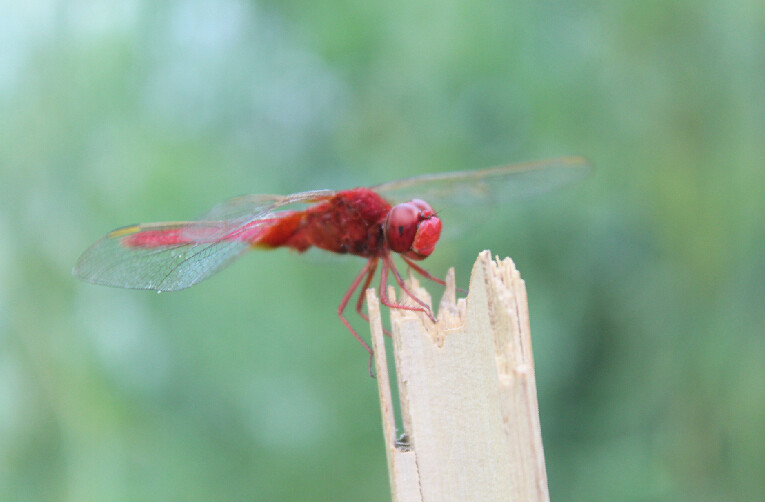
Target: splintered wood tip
pixel 467 392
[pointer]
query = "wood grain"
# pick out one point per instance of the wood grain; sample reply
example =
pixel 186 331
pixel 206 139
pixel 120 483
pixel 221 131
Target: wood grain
pixel 467 393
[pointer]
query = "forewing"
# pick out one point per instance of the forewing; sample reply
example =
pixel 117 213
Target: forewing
pixel 238 214
pixel 491 186
pixel 176 255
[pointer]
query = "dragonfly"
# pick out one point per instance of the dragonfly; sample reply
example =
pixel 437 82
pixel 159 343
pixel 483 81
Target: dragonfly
pixel 373 223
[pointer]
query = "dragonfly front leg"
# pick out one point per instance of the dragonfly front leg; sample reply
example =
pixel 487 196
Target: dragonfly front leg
pixel 426 274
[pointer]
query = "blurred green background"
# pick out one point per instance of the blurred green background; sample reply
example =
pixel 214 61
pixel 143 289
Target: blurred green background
pixel 646 281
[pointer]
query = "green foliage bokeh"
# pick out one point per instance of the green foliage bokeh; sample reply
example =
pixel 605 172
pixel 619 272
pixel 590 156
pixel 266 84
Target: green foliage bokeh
pixel 646 281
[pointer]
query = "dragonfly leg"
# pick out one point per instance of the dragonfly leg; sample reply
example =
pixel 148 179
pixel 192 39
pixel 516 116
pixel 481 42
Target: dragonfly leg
pixel 388 265
pixel 372 266
pixel 360 300
pixel 425 273
pixel 344 303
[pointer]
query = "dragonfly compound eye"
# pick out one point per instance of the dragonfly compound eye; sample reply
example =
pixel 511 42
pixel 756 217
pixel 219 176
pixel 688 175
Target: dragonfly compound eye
pixel 413 228
pixel 401 226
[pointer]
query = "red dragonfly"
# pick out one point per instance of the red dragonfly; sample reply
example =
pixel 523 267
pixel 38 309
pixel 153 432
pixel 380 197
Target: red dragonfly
pixel 367 222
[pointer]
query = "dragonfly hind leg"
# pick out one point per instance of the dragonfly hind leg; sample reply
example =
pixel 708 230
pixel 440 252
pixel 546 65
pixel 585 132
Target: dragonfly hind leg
pixel 368 270
pixel 362 296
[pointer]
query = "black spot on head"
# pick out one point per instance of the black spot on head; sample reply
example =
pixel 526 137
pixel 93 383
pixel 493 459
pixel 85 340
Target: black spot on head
pixel 401 230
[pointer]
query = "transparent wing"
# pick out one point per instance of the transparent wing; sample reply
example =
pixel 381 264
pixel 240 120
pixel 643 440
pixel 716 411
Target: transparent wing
pixel 118 260
pixel 239 212
pixel 490 186
pixel 175 255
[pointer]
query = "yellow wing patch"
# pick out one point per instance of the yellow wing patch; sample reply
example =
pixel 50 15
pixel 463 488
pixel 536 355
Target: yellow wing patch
pixel 130 229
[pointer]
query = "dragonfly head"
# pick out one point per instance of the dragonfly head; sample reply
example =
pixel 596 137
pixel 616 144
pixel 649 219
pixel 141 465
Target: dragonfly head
pixel 412 229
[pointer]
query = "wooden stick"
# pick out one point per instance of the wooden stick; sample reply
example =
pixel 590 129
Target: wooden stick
pixel 467 393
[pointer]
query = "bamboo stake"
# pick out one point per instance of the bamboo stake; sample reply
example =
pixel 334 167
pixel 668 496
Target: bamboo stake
pixel 467 393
